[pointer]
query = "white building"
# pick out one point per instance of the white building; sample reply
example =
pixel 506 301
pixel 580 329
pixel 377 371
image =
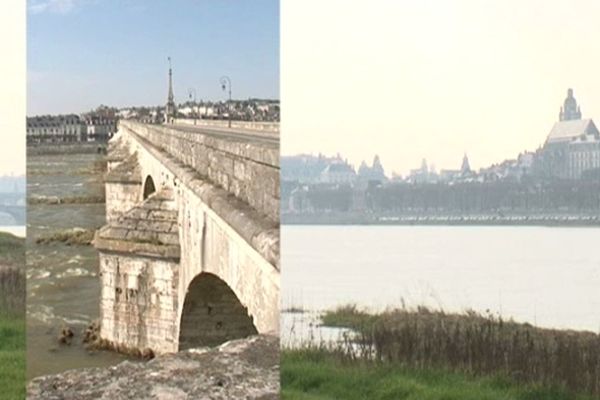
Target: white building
pixel 338 173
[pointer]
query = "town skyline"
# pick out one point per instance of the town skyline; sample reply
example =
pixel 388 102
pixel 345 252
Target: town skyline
pixel 476 78
pixel 93 66
pixel 432 164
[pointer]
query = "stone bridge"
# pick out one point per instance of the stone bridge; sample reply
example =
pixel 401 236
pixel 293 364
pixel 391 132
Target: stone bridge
pixel 190 253
pixel 13 215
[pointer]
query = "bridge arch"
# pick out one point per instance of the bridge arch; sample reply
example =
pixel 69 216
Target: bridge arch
pixel 212 314
pixel 149 187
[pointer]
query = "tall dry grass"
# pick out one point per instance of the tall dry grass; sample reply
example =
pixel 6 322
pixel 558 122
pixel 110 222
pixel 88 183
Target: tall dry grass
pixel 482 345
pixel 12 275
pixel 12 291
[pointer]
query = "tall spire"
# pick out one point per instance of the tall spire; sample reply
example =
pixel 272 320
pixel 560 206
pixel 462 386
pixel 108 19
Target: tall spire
pixel 170 99
pixel 170 107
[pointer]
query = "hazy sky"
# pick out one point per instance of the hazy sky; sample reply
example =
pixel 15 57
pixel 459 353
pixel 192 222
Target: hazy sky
pixel 434 79
pixel 12 87
pixel 82 53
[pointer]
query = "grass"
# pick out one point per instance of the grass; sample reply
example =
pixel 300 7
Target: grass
pixel 12 356
pixel 318 374
pixel 474 344
pixel 12 317
pixel 349 316
pixel 12 250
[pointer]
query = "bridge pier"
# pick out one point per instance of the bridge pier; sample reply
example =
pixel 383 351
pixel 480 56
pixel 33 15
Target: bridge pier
pixel 139 268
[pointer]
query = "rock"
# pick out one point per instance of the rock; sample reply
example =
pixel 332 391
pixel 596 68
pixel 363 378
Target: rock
pixel 239 369
pixel 91 333
pixel 65 336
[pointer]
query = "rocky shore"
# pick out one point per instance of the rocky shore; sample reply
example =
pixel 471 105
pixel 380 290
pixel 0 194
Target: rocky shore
pixel 239 369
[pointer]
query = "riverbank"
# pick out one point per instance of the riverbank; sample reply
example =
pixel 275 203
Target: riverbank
pixel 317 374
pixel 239 369
pixel 549 219
pixel 470 343
pixel 65 148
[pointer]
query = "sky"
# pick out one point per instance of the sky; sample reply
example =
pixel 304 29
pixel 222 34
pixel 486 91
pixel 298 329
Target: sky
pixel 83 53
pixel 433 79
pixel 12 88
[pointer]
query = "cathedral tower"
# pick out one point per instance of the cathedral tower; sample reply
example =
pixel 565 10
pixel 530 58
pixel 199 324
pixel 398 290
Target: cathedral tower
pixel 570 110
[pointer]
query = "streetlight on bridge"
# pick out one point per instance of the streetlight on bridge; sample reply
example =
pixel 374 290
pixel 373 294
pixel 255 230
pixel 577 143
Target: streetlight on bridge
pixel 225 83
pixel 190 92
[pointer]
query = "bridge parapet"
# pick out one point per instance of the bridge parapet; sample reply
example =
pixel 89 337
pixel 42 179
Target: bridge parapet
pixel 246 167
pixel 267 128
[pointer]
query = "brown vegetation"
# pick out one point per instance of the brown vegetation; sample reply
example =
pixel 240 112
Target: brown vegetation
pixel 12 290
pixel 478 344
pixel 70 237
pixel 54 200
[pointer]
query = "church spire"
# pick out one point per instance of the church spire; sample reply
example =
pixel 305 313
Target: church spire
pixel 465 167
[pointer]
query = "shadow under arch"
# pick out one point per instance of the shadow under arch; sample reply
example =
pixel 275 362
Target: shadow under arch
pixel 149 187
pixel 212 314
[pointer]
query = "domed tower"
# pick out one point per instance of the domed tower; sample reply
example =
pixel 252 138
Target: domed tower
pixel 570 110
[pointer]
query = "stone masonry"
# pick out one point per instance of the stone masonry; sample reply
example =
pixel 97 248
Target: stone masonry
pixel 196 262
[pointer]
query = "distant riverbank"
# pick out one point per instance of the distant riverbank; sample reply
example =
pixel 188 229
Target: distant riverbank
pixel 546 219
pixel 66 148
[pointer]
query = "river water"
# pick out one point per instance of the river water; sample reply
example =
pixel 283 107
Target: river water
pixel 17 230
pixel 549 277
pixel 62 281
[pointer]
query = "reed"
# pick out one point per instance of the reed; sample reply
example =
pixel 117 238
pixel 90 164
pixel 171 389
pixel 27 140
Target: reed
pixel 12 275
pixel 12 291
pixel 477 344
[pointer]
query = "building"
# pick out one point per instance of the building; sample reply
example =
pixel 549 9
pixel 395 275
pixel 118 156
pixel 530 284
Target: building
pixel 572 147
pixel 421 174
pixel 306 168
pixel 56 129
pixel 375 173
pixel 100 129
pixel 465 168
pixel 338 173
